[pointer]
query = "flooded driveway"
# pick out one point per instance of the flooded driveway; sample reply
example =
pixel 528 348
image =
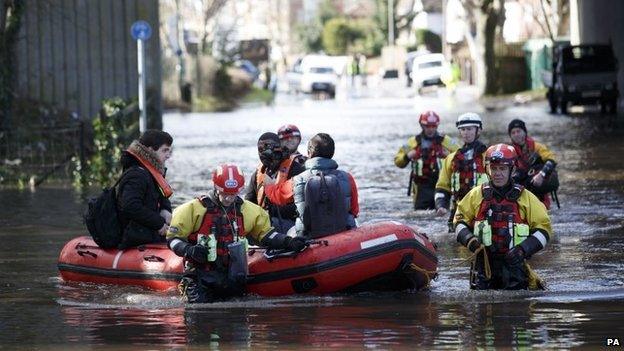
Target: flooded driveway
pixel 583 266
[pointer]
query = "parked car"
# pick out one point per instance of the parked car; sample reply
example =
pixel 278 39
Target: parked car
pixel 427 70
pixel 319 79
pixel 581 75
pixel 313 74
pixel 409 61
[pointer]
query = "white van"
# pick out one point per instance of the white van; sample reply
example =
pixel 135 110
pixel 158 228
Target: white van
pixel 427 70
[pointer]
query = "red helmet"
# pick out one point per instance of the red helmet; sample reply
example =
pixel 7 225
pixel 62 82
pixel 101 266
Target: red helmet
pixel 501 154
pixel 287 131
pixel 429 119
pixel 228 179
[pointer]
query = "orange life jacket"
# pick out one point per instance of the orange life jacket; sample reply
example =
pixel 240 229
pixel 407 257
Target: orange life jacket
pixel 282 176
pixel 165 188
pixel 501 216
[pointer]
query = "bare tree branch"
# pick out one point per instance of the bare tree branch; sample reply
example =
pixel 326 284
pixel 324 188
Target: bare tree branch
pixel 550 32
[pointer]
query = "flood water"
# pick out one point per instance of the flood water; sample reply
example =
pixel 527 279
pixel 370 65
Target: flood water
pixel 583 266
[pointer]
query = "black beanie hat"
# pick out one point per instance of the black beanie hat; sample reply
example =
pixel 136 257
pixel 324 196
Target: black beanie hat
pixel 516 123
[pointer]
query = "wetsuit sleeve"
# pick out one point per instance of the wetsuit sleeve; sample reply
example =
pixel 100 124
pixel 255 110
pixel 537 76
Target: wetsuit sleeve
pixel 400 159
pixel 444 180
pixel 133 189
pixel 256 221
pixel 544 153
pixel 467 208
pixel 355 204
pixel 536 216
pixel 252 188
pixel 280 194
pixel 450 144
pixel 185 220
pixel 548 157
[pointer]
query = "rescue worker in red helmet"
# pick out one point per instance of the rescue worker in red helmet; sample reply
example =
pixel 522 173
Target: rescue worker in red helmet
pixel 463 169
pixel 426 152
pixel 225 221
pixel 505 224
pixel 535 166
pixel 290 138
pixel 270 185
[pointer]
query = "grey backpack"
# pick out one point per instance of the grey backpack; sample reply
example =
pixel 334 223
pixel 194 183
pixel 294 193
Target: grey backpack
pixel 325 209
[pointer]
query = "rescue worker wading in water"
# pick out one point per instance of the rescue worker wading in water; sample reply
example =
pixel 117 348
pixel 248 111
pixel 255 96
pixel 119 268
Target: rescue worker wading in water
pixel 463 169
pixel 211 233
pixel 270 184
pixel 505 223
pixel 426 152
pixel 535 166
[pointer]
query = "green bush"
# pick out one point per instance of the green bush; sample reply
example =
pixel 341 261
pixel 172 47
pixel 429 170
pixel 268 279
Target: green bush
pixel 113 130
pixel 429 39
pixel 339 35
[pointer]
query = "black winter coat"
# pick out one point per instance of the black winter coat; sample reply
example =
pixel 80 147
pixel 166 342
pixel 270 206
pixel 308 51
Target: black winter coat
pixel 140 201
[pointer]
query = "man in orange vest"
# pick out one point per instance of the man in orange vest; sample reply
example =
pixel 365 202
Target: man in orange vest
pixel 270 185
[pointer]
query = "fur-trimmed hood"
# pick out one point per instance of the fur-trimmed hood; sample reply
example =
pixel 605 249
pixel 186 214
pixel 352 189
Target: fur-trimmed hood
pixel 147 154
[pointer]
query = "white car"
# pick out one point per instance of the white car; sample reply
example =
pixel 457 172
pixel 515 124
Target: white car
pixel 319 79
pixel 427 70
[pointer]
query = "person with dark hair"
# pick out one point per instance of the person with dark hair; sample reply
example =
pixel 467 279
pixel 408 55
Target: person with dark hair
pixel 270 185
pixel 143 193
pixel 535 165
pixel 326 198
pixel 211 232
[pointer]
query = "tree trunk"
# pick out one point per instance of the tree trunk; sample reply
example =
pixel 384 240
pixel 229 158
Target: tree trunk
pixel 489 34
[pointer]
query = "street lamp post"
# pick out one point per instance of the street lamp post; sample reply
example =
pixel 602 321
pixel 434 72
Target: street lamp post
pixel 390 22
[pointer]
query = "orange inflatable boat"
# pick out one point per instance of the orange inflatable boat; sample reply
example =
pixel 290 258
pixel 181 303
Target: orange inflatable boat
pixel 379 256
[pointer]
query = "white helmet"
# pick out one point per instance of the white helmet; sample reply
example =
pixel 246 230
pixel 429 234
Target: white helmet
pixel 469 119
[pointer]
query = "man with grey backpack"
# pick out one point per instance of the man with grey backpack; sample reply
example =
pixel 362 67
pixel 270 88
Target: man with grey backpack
pixel 326 198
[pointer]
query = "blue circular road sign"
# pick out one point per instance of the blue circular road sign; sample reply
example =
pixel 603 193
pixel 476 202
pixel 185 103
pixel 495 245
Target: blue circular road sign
pixel 141 30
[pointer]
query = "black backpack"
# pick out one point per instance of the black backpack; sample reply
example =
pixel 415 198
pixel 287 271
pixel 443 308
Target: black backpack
pixel 102 219
pixel 325 210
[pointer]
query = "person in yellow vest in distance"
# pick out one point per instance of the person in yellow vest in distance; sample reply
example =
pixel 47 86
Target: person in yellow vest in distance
pixel 211 233
pixel 426 152
pixel 270 185
pixel 535 166
pixel 504 222
pixel 463 169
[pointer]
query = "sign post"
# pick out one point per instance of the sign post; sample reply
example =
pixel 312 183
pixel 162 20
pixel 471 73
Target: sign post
pixel 141 31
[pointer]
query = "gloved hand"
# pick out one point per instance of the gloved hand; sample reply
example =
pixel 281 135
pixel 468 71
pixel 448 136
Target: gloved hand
pixel 197 253
pixel 473 244
pixel 514 256
pixel 296 244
